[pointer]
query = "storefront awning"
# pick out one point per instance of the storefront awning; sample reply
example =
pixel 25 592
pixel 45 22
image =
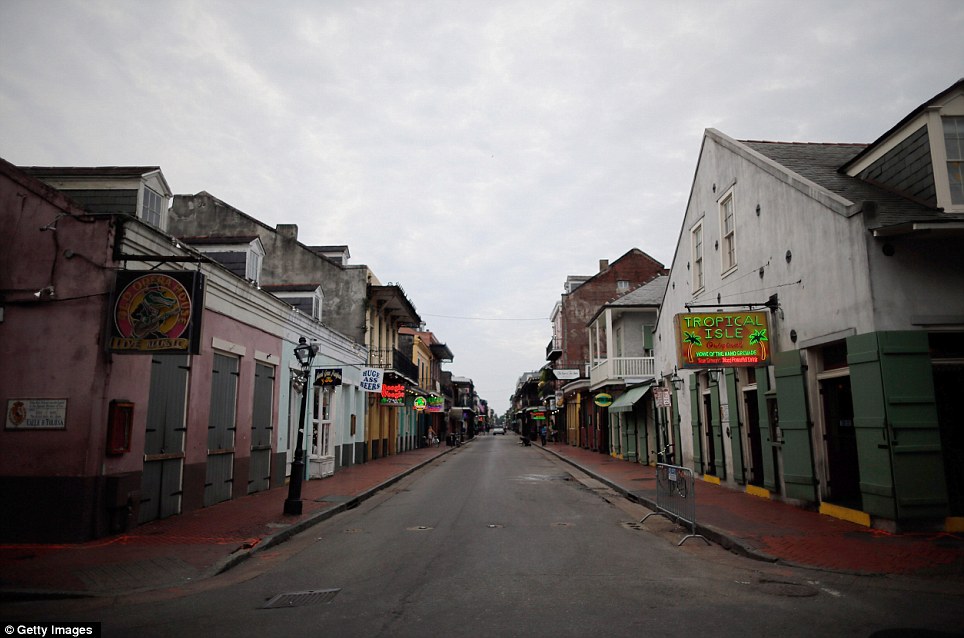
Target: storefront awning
pixel 626 402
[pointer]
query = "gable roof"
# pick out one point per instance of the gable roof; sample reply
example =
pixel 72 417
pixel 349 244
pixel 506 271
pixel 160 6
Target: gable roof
pixel 821 163
pixel 649 294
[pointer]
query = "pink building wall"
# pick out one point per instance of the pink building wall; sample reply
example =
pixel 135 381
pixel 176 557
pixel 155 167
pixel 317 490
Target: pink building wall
pixel 61 484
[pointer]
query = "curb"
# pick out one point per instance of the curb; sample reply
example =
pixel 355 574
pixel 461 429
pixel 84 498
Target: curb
pixel 236 558
pixel 713 534
pixel 320 516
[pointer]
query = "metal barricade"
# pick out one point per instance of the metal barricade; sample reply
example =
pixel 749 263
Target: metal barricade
pixel 676 497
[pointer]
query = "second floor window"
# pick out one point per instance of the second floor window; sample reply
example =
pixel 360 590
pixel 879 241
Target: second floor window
pixel 728 232
pixel 698 257
pixel 954 147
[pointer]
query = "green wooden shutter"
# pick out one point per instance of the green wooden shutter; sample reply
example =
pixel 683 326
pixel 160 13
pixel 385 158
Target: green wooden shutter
pixel 716 427
pixel 695 425
pixel 794 421
pixel 675 433
pixel 895 414
pixel 766 429
pixel 736 434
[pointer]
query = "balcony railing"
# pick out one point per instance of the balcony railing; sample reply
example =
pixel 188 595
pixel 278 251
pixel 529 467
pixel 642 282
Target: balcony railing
pixel 621 368
pixel 393 359
pixel 554 349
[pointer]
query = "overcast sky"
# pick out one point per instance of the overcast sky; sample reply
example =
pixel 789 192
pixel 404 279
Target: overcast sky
pixel 476 152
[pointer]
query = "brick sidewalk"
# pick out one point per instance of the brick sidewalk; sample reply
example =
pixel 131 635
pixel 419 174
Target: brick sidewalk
pixel 773 530
pixel 204 542
pixel 196 544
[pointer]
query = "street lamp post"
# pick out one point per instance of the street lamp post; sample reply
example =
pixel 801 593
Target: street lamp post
pixel 305 353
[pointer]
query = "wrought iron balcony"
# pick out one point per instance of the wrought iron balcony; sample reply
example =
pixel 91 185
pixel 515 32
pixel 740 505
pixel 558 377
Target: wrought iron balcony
pixel 395 360
pixel 554 349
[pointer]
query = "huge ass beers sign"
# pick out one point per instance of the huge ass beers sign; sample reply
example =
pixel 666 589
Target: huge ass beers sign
pixel 722 339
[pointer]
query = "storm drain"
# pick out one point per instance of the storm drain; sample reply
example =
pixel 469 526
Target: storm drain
pixel 302 598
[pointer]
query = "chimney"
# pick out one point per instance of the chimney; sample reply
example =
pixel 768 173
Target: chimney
pixel 603 264
pixel 288 231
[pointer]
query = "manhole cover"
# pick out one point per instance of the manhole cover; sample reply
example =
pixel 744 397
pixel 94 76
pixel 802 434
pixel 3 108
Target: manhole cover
pixel 302 598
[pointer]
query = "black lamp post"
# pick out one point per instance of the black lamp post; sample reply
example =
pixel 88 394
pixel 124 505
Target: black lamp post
pixel 305 354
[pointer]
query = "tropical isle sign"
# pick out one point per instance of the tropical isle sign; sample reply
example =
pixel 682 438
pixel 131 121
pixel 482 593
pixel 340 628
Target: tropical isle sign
pixel 722 339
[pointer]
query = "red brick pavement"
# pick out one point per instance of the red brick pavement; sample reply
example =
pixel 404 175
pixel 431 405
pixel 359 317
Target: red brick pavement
pixel 201 543
pixel 773 530
pixel 196 544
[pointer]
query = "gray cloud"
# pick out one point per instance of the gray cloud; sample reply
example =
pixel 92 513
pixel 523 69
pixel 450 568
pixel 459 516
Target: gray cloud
pixel 475 152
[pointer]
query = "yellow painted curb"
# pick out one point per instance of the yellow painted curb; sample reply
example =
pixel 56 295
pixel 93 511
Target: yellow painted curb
pixel 709 478
pixel 845 514
pixel 954 524
pixel 761 492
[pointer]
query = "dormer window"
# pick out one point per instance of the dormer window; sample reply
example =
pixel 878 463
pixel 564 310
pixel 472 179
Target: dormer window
pixel 152 205
pixel 305 298
pixel 954 148
pixel 243 256
pixel 255 256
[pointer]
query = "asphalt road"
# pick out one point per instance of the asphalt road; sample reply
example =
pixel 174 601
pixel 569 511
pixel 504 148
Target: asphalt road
pixel 495 539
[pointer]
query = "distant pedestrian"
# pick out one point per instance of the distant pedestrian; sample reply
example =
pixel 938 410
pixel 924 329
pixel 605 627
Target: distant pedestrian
pixel 543 433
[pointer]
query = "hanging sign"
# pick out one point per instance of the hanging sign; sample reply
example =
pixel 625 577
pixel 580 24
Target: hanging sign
pixel 722 339
pixel 603 400
pixel 371 379
pixel 393 394
pixel 419 404
pixel 156 312
pixel 662 397
pixel 328 377
pixel 436 404
pixel 565 374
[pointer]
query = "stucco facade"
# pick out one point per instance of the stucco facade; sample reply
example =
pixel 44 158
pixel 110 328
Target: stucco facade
pixel 99 440
pixel 861 284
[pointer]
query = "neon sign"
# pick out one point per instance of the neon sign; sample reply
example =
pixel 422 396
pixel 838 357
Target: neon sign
pixel 722 339
pixel 436 404
pixel 393 394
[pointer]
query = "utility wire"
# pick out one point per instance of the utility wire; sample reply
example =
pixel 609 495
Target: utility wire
pixel 488 318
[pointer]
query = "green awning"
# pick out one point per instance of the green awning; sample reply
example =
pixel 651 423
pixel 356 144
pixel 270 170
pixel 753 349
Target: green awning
pixel 626 402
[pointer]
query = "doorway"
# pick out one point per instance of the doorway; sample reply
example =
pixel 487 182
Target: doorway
pixel 840 440
pixel 755 440
pixel 164 440
pixel 948 381
pixel 709 459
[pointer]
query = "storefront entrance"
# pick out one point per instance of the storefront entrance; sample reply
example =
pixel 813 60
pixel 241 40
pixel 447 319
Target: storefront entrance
pixel 840 442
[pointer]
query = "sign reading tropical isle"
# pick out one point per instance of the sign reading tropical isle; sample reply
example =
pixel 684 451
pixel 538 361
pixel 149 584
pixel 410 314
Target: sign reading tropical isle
pixel 722 339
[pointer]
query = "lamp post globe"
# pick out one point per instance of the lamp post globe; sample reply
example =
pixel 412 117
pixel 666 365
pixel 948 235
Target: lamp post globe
pixel 305 353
